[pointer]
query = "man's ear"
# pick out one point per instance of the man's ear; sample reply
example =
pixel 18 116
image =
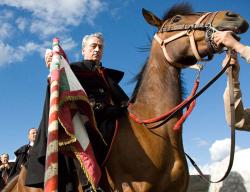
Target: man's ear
pixel 83 51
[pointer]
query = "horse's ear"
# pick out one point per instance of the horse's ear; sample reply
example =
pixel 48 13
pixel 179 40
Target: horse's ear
pixel 151 18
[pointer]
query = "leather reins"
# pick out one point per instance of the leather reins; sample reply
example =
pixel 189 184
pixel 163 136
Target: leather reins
pixel 228 67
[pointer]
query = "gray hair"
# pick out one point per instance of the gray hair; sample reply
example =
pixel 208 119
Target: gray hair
pixel 86 38
pixel 5 154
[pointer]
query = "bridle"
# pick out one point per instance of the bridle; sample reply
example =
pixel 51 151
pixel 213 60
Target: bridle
pixel 189 31
pixel 190 101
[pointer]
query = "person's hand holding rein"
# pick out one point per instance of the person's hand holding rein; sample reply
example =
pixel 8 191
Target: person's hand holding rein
pixel 235 64
pixel 226 38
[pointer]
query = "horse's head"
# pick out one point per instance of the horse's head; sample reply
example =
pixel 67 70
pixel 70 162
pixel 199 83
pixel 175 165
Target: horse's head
pixel 186 37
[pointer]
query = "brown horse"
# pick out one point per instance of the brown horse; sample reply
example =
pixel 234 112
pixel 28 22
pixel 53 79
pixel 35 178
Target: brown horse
pixel 144 159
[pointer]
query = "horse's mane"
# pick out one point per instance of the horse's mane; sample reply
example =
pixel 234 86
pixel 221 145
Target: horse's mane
pixel 138 78
pixel 177 9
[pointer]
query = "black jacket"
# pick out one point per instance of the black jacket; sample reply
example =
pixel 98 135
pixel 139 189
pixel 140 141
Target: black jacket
pixel 21 158
pixel 87 74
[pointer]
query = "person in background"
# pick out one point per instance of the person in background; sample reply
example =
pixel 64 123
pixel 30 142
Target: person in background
pixel 22 153
pixel 5 167
pixel 242 116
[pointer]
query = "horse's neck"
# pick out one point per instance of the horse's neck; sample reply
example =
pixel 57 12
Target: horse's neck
pixel 160 89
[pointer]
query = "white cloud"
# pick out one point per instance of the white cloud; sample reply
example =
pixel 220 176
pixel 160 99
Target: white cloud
pixel 68 44
pixel 220 149
pixel 5 14
pixel 49 17
pixel 40 20
pixel 9 55
pixel 21 23
pixel 240 166
pixel 29 47
pixel 5 30
pixel 204 168
pixel 201 142
pixel 44 29
pixel 5 27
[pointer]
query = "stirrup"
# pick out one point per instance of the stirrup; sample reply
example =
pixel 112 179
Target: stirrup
pixel 90 189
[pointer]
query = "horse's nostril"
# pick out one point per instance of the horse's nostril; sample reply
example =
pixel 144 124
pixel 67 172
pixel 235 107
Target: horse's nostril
pixel 231 14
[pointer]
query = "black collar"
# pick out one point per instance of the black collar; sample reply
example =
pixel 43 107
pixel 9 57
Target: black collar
pixel 90 64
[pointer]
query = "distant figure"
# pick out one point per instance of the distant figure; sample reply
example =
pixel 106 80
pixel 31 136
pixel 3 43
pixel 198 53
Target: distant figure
pixel 4 169
pixel 239 178
pixel 22 153
pixel 234 182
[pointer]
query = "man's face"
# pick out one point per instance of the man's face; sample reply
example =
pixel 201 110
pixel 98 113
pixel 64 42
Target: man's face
pixel 4 158
pixel 93 49
pixel 32 135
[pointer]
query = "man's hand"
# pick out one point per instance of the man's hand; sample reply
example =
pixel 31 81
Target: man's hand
pixel 235 64
pixel 226 38
pixel 2 167
pixel 6 165
pixel 48 57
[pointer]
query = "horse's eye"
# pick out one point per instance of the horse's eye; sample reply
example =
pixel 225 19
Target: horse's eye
pixel 176 19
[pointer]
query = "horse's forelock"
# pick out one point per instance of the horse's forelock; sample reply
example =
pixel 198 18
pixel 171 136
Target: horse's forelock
pixel 178 9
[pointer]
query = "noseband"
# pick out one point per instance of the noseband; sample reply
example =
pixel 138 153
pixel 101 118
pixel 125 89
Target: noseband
pixel 189 30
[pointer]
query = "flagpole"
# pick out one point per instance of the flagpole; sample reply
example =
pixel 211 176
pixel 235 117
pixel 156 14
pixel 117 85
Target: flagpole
pixel 51 164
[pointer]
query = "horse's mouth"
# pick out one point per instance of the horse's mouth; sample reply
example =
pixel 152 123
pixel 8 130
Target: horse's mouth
pixel 236 29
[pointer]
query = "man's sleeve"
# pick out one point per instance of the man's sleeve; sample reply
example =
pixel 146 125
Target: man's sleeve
pixel 245 53
pixel 242 116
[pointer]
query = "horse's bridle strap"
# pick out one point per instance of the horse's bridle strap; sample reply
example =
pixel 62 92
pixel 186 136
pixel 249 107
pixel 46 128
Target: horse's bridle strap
pixel 183 27
pixel 193 45
pixel 166 41
pixel 197 25
pixel 186 30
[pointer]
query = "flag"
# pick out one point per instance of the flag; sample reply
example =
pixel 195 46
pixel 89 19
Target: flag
pixel 74 112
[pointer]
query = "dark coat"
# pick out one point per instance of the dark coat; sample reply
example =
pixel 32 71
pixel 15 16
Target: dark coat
pixel 4 173
pixel 21 158
pixel 108 86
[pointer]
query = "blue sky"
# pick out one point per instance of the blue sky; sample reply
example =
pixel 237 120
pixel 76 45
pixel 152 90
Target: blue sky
pixel 28 27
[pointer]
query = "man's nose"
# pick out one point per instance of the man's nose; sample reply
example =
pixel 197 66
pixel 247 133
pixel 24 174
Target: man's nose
pixel 97 48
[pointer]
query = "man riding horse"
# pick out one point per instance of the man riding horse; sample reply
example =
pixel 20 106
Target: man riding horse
pixel 148 154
